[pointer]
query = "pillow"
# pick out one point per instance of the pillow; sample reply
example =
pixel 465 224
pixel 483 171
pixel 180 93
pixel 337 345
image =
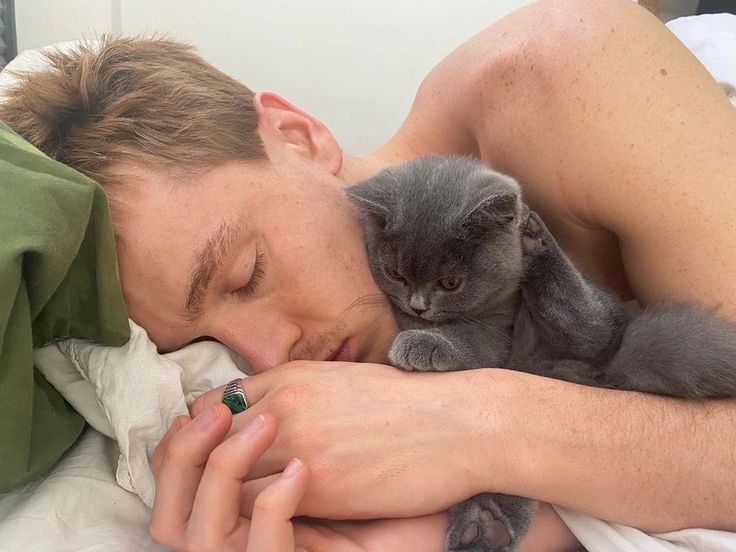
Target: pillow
pixel 58 279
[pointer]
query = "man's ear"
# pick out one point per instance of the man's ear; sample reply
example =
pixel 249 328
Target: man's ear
pixel 282 124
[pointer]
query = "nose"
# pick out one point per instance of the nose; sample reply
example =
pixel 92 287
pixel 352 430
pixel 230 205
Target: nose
pixel 263 341
pixel 418 303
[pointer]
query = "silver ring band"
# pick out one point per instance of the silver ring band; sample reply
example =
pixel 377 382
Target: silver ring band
pixel 234 397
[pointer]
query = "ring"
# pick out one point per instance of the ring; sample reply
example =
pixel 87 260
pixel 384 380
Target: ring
pixel 234 397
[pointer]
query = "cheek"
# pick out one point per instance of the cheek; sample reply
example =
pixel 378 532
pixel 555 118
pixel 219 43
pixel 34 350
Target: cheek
pixel 339 238
pixel 325 256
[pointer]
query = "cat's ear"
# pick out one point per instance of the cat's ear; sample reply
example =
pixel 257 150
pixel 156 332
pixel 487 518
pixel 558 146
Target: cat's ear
pixel 372 200
pixel 367 205
pixel 495 203
pixel 494 212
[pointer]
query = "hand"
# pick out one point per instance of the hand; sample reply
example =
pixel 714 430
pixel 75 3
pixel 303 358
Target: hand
pixel 379 442
pixel 199 479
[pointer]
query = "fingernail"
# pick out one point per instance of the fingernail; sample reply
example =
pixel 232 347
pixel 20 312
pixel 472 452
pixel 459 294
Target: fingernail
pixel 208 416
pixel 256 426
pixel 293 467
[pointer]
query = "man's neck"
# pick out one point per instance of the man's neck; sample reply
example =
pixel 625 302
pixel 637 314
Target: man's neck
pixel 355 169
pixel 393 152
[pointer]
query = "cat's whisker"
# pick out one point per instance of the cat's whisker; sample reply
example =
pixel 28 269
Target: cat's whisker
pixel 366 301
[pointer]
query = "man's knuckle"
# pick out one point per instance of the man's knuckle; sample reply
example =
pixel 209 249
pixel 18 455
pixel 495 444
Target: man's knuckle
pixel 204 400
pixel 220 459
pixel 296 365
pixel 180 449
pixel 287 399
pixel 203 542
pixel 163 533
pixel 323 472
pixel 157 459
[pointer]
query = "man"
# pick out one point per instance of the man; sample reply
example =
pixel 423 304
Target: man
pixel 231 224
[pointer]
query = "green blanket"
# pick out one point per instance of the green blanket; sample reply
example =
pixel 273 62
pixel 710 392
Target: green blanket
pixel 58 279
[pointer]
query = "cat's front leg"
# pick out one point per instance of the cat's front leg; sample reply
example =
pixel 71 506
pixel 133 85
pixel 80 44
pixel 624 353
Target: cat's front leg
pixel 572 314
pixel 425 350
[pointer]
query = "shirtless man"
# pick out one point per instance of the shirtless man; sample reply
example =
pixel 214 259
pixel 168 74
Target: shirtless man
pixel 620 140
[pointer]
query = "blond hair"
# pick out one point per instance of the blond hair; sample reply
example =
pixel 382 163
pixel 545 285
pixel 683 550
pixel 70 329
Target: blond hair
pixel 146 100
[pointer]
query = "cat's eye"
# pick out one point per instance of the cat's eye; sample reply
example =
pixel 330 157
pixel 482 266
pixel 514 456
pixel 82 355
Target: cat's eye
pixel 450 283
pixel 394 274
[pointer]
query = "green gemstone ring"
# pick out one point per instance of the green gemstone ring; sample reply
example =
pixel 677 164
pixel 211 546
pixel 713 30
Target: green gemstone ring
pixel 234 397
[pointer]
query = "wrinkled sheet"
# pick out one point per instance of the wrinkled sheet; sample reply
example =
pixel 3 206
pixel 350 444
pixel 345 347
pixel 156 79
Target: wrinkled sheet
pixel 77 507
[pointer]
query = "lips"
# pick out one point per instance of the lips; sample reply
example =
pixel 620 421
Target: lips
pixel 342 354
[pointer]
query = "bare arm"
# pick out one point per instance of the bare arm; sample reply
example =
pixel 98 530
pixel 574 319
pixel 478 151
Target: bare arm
pixel 625 145
pixel 655 165
pixel 650 462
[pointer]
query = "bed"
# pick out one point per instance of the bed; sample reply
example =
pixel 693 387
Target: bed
pixel 97 497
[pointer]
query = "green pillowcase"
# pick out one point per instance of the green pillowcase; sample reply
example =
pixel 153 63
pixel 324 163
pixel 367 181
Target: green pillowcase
pixel 58 279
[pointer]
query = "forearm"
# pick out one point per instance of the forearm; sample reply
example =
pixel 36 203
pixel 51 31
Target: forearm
pixel 651 462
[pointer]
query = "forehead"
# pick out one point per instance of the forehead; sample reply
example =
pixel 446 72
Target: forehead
pixel 152 211
pixel 162 227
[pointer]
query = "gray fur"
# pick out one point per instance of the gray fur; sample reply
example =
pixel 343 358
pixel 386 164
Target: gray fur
pixel 521 304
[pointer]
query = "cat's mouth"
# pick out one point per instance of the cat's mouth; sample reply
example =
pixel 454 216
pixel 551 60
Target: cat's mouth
pixel 430 315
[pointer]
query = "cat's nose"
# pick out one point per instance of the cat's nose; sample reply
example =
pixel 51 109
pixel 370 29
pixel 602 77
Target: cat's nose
pixel 418 302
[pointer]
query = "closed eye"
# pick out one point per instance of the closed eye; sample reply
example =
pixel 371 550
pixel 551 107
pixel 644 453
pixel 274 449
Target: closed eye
pixel 394 274
pixel 255 278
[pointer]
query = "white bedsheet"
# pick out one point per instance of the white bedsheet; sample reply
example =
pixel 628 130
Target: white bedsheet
pixel 601 536
pixel 97 497
pixel 712 38
pixel 78 507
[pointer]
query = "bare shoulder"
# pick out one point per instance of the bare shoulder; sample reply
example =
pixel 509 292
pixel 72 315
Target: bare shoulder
pixel 618 135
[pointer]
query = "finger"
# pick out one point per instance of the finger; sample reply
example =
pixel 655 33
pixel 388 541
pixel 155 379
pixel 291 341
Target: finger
pixel 271 529
pixel 253 392
pixel 217 505
pixel 205 400
pixel 180 471
pixel 274 460
pixel 214 396
pixel 251 489
pixel 254 387
pixel 163 445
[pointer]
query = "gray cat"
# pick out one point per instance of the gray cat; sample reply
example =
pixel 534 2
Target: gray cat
pixel 476 280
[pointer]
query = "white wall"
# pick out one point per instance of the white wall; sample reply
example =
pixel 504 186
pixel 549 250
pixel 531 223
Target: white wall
pixel 355 64
pixel 43 22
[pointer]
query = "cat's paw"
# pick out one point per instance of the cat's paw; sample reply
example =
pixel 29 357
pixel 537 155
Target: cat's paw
pixel 534 235
pixel 423 351
pixel 489 523
pixel 475 526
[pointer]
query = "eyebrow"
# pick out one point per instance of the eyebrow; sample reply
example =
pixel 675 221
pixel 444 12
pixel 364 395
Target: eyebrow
pixel 208 262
